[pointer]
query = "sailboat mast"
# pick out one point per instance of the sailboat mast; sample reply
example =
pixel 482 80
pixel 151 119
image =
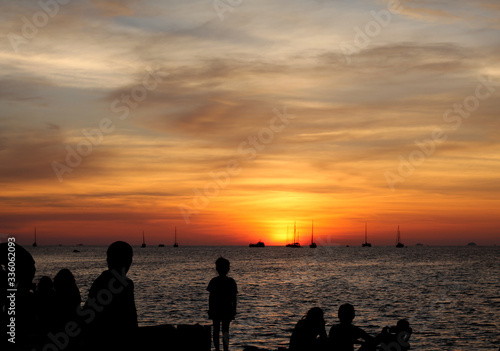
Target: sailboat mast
pixel 312 232
pixel 175 233
pixel 366 235
pixel 294 231
pixel 398 238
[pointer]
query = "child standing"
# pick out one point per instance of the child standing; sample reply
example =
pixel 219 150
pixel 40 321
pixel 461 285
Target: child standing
pixel 222 302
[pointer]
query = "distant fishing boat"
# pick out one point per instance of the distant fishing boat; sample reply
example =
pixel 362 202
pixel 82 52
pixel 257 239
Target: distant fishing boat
pixel 34 243
pixel 295 244
pixel 259 244
pixel 176 244
pixel 313 244
pixel 366 243
pixel 398 240
pixel 143 240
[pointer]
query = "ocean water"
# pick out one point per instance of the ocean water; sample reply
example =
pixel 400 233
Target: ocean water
pixel 450 295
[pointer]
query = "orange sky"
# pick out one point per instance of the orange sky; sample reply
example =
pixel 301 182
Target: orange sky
pixel 123 117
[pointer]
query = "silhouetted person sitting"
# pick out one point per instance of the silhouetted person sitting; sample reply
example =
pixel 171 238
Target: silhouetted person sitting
pixel 44 304
pixel 110 309
pixel 309 333
pixel 222 302
pixel 395 338
pixel 68 298
pixel 344 335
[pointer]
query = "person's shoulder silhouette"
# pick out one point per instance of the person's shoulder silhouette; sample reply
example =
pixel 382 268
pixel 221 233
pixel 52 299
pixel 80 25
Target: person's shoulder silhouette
pixel 344 335
pixel 223 291
pixel 67 294
pixel 309 333
pixel 396 337
pixel 110 308
pixel 45 303
pixel 222 302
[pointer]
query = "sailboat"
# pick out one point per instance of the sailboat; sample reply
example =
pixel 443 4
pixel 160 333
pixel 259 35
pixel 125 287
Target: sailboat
pixel 143 241
pixel 175 241
pixel 398 240
pixel 34 243
pixel 295 244
pixel 366 243
pixel 313 244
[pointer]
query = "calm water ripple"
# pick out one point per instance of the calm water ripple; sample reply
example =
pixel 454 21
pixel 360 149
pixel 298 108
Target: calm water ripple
pixel 450 295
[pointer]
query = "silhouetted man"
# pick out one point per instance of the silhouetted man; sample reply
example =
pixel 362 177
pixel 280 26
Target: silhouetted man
pixel 110 309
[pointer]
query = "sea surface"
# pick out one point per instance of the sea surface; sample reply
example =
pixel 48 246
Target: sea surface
pixel 450 295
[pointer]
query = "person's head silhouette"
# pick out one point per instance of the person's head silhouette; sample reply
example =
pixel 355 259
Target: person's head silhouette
pixel 315 316
pixel 119 256
pixel 403 324
pixel 346 313
pixel 222 266
pixel 45 285
pixel 64 280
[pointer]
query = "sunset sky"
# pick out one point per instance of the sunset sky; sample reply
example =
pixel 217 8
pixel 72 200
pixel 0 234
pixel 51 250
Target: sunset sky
pixel 231 120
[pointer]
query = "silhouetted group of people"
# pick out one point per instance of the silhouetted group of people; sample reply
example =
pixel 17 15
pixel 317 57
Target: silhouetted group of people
pixel 56 301
pixel 49 315
pixel 309 334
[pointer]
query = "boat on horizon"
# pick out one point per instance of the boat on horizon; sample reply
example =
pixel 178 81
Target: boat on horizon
pixel 313 244
pixel 143 241
pixel 294 244
pixel 34 243
pixel 366 243
pixel 259 244
pixel 176 244
pixel 398 239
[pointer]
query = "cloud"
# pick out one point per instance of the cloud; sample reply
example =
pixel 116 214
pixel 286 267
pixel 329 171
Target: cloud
pixel 114 8
pixel 53 126
pixel 483 13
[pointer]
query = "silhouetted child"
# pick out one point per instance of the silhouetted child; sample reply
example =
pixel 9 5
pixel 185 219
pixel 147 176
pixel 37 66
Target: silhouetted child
pixel 309 333
pixel 396 337
pixel 344 335
pixel 222 302
pixel 110 308
pixel 68 298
